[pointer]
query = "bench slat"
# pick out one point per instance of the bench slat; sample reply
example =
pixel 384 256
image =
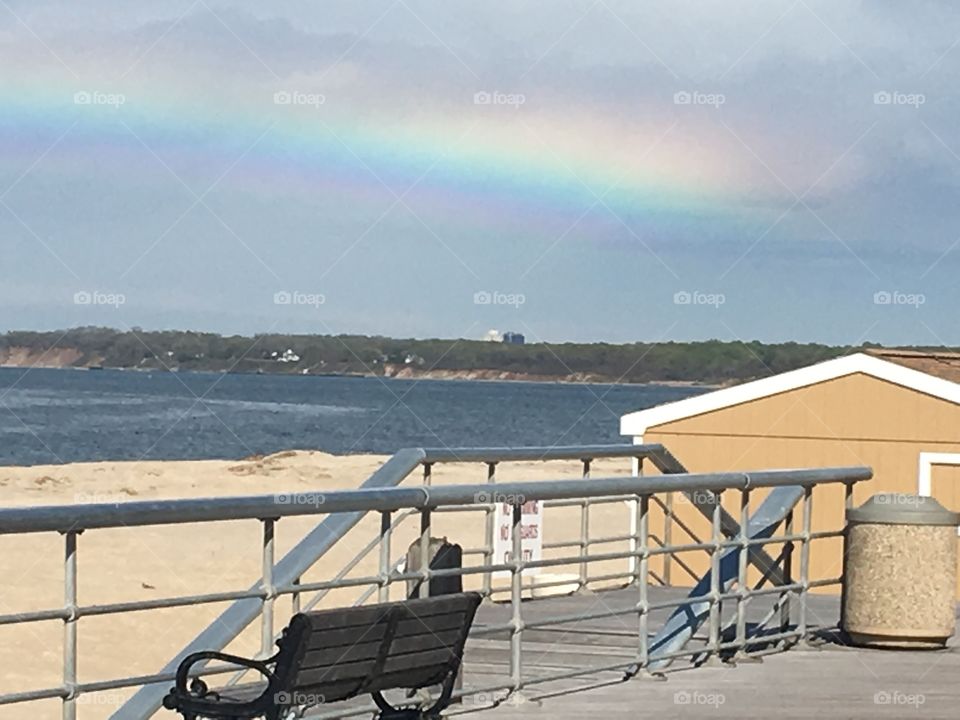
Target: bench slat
pixel 419 659
pixel 435 625
pixel 345 637
pixel 315 678
pixel 365 615
pixel 341 618
pixel 437 604
pixel 322 657
pixel 368 650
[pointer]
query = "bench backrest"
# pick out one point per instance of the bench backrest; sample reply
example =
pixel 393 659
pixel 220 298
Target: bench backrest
pixel 337 654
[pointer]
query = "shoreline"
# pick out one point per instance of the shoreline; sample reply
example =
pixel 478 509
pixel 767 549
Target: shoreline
pixel 403 373
pixel 257 460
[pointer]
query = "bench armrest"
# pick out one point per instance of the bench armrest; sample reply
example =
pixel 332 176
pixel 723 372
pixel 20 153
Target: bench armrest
pixel 195 698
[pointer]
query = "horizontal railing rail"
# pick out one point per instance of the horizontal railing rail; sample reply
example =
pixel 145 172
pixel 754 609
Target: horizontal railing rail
pixel 380 493
pixel 397 469
pixel 67 518
pixel 344 509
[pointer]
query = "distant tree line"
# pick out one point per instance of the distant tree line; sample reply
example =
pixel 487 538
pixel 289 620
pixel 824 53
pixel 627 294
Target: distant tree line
pixel 712 361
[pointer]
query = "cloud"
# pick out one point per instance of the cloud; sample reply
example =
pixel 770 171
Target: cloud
pixel 496 185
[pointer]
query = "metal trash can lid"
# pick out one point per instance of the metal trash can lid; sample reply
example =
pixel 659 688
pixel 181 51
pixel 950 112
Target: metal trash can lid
pixel 903 509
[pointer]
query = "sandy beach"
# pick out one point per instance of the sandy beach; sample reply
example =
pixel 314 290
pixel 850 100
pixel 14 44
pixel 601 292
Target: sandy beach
pixel 157 562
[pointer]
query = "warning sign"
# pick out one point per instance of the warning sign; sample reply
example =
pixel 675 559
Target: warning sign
pixel 531 535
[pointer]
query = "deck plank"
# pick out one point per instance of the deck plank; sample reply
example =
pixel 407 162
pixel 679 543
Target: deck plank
pixel 831 682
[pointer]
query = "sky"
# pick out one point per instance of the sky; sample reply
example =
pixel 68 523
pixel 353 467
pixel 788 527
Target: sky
pixel 582 171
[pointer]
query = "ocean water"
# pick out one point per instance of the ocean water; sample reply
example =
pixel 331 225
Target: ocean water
pixel 58 416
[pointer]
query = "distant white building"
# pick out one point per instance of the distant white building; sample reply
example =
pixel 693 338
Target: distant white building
pixel 493 336
pixel 289 356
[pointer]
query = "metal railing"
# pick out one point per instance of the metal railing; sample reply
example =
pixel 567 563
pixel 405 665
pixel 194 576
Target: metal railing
pixel 345 509
pixel 396 470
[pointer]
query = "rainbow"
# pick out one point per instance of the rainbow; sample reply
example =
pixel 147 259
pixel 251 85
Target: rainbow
pixel 525 163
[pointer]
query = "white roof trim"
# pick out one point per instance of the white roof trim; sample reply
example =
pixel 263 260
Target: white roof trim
pixel 637 423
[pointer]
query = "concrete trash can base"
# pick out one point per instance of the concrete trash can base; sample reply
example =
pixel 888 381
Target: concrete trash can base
pixel 901 573
pixel 903 642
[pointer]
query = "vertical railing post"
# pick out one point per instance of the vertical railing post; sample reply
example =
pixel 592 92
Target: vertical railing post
pixel 713 642
pixel 424 589
pixel 637 471
pixel 295 599
pixel 805 565
pixel 383 594
pixel 584 530
pixel 269 592
pixel 743 585
pixel 668 538
pixel 847 507
pixel 636 532
pixel 788 527
pixel 643 601
pixel 70 626
pixel 489 529
pixel 516 599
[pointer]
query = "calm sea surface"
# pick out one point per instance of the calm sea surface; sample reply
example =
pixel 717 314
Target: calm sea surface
pixel 53 416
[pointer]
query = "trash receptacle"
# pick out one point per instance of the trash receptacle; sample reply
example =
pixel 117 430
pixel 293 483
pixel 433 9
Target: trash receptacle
pixel 444 555
pixel 900 579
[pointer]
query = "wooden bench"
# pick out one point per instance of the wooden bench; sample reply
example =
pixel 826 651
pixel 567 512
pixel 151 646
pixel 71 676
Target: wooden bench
pixel 335 655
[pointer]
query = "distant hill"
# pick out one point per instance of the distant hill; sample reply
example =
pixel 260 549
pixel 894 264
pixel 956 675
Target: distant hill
pixel 710 362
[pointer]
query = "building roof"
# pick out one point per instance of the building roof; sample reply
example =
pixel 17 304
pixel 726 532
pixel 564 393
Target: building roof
pixel 896 372
pixel 944 365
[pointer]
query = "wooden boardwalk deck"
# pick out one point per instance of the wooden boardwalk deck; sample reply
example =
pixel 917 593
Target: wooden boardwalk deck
pixel 830 682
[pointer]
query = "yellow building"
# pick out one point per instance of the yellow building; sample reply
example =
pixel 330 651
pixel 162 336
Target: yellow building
pixel 896 411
